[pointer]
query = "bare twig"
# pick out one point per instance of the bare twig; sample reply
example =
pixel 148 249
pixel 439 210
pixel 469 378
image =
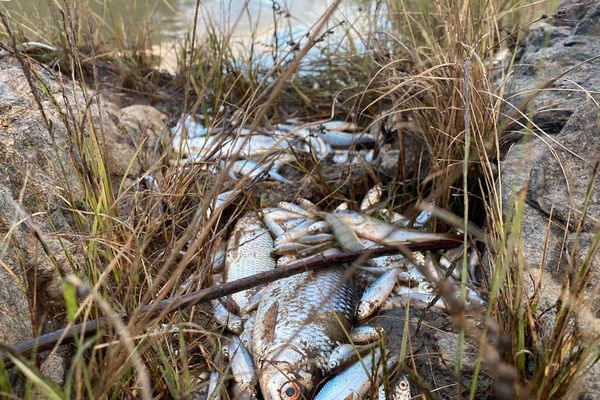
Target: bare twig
pixel 89 328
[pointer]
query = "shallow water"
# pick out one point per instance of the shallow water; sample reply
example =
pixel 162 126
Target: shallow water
pixel 172 19
pixel 270 28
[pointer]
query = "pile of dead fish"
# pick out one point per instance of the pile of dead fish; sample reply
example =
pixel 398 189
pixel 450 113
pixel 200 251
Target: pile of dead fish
pixel 310 335
pixel 262 153
pixel 292 334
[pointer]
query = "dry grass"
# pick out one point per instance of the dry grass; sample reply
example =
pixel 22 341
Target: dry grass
pixel 434 75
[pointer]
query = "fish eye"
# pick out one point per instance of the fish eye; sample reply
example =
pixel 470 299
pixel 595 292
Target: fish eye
pixel 291 391
pixel 403 385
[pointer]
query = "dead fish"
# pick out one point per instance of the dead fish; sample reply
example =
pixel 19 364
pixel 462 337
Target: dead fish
pixel 253 169
pixel 319 227
pixel 214 386
pixel 379 231
pixel 339 126
pixel 291 207
pixel 222 200
pixel 218 258
pixel 297 232
pixel 365 333
pixel 419 296
pixel 372 197
pixel 248 253
pixel 298 324
pixel 242 366
pixel 316 239
pixel 353 156
pixel 323 248
pixel 393 217
pixel 289 248
pixel 400 389
pixel 226 318
pixel 342 355
pixel 346 140
pixel 292 223
pixel 248 329
pixel 355 381
pixel 424 216
pixel 376 294
pixel 279 215
pixel 344 233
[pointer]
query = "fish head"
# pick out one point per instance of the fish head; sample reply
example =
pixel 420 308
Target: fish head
pixel 284 386
pixel 287 375
pixel 402 389
pixel 352 218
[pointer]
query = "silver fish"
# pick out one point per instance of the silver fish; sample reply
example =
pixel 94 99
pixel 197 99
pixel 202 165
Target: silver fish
pixel 376 294
pixel 289 248
pixel 365 333
pixel 242 366
pixel 379 231
pixel 322 248
pixel 292 223
pixel 316 239
pixel 253 169
pixel 372 197
pixel 419 296
pixel 218 258
pixel 394 217
pixel 222 200
pixel 296 232
pixel 298 323
pixel 344 233
pixel 400 389
pixel 319 227
pixel 274 227
pixel 346 140
pixel 354 382
pixel 424 216
pixel 226 318
pixel 246 335
pixel 340 356
pixel 248 253
pixel 279 215
pixel 214 386
pixel 284 205
pixel 339 126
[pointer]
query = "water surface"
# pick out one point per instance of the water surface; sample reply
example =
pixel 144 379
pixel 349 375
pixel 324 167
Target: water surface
pixel 172 19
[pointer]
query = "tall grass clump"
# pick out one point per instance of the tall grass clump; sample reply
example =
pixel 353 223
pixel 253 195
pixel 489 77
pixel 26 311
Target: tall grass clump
pixel 446 76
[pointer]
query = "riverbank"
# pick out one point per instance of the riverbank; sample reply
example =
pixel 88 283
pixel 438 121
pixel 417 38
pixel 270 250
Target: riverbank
pixel 102 214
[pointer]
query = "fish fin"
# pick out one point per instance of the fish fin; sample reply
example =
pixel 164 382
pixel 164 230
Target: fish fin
pixel 270 321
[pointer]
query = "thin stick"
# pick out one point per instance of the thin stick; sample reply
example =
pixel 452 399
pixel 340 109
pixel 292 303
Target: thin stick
pixel 91 327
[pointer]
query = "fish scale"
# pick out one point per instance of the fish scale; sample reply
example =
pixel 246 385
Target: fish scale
pixel 298 324
pixel 248 253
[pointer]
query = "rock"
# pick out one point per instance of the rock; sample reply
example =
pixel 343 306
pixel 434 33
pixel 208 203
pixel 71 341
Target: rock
pixel 447 342
pixel 555 48
pixel 561 176
pixel 42 177
pixel 53 367
pixel 553 177
pixel 541 239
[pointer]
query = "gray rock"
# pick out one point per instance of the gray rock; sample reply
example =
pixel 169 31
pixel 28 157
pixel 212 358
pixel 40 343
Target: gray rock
pixel 562 175
pixel 553 176
pixel 563 45
pixel 41 178
pixel 541 239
